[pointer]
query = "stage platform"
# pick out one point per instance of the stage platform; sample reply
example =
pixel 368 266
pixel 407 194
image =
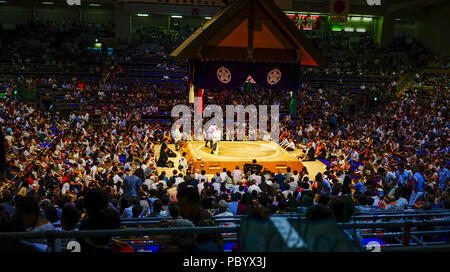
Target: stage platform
pixel 268 154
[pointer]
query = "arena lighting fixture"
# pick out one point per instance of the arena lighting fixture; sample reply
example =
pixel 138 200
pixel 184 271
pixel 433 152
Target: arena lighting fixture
pixel 94 5
pixel 356 18
pixel 142 15
pixel 367 19
pixel 176 16
pixel 47 3
pixel 207 18
pixel 336 28
pixel 348 29
pixel 303 13
pixel 2 2
pixel 361 30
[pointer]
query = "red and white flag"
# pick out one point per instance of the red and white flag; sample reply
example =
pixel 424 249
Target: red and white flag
pixel 191 93
pixel 199 101
pixel 339 11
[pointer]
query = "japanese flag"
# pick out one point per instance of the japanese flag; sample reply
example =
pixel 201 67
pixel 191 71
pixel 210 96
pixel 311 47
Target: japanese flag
pixel 339 11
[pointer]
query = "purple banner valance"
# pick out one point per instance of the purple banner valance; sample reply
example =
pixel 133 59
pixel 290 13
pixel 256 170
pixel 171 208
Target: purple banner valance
pixel 231 75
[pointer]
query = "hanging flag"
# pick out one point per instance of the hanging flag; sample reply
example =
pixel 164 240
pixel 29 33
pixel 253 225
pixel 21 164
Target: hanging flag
pixel 191 93
pixel 232 74
pixel 249 87
pixel 339 11
pixel 199 101
pixel 293 104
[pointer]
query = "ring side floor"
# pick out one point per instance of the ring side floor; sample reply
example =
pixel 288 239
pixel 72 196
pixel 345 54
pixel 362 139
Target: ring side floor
pixel 313 167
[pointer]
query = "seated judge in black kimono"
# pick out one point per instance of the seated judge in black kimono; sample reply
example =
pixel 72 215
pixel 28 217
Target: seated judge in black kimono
pixel 169 152
pixel 163 160
pixel 310 154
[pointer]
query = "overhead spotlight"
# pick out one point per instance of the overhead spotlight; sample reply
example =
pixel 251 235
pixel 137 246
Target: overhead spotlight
pixel 226 2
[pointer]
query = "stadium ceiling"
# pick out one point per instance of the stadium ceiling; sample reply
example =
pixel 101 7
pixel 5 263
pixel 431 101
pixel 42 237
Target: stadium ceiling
pixel 405 7
pixel 61 3
pixel 388 7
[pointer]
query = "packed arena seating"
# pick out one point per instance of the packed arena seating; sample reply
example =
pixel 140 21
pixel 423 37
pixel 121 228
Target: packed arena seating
pixel 52 50
pixel 167 40
pixel 88 159
pixel 350 54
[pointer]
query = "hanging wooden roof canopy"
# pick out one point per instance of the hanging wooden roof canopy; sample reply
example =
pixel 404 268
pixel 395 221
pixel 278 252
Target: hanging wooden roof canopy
pixel 246 30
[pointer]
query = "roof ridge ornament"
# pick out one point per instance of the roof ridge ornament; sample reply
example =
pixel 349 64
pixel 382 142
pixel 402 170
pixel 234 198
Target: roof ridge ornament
pixel 250 53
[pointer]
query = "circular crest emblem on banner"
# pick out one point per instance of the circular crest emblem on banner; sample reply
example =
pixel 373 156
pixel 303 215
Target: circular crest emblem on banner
pixel 274 76
pixel 223 75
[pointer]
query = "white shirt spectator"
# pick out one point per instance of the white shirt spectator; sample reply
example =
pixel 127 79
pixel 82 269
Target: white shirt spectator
pixel 237 175
pixel 216 186
pixel 290 145
pixel 203 178
pixel 256 178
pixel 155 184
pixel 286 193
pixel 253 188
pixel 293 186
pixel 148 183
pixel 117 179
pixel 235 189
pixel 178 180
pixel 183 162
pixel 65 188
pixel 284 142
pixel 200 187
pixel 223 175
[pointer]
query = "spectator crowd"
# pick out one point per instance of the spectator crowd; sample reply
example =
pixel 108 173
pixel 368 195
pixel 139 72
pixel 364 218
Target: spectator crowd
pixel 76 173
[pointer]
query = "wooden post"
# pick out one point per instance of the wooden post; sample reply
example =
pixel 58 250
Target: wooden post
pixel 251 27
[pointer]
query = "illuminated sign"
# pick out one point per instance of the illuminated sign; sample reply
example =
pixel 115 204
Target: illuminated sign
pixel 73 2
pixel 359 24
pixel 307 22
pixel 374 2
